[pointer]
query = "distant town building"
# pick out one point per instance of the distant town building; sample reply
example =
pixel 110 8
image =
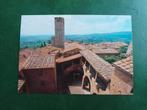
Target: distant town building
pixel 58 39
pixel 114 45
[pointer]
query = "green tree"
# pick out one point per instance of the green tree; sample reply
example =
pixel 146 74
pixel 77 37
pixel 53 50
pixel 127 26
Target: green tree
pixel 123 49
pixel 110 58
pixel 49 41
pixel 25 47
pixel 44 44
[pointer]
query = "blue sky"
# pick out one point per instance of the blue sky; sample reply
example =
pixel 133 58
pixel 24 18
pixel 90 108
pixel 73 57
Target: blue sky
pixel 75 24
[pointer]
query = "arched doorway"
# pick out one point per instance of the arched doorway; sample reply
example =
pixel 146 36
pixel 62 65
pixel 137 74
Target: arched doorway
pixel 86 84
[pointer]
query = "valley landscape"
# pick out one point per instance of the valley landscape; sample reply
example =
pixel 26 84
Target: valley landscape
pixel 38 40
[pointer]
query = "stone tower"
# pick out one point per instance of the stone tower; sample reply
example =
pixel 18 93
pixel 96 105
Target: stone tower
pixel 59 32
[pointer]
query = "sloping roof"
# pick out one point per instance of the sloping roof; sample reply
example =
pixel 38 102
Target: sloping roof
pixel 64 59
pixel 44 50
pixel 88 46
pixel 23 55
pixel 34 62
pixel 104 51
pixel 72 46
pixel 99 50
pixel 114 45
pixel 101 66
pixel 125 64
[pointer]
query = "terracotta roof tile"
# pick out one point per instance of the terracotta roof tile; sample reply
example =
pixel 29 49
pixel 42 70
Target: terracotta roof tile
pixel 104 51
pixel 114 45
pixel 72 46
pixel 40 62
pixel 101 66
pixel 125 64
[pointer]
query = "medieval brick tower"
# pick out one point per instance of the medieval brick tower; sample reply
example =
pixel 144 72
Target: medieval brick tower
pixel 58 39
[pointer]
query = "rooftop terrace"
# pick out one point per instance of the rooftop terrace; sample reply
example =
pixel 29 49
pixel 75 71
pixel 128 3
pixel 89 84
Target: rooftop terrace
pixel 101 66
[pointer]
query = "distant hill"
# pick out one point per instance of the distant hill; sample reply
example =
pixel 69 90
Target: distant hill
pixel 35 41
pixel 106 37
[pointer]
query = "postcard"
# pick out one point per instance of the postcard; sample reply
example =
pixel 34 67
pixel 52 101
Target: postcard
pixel 76 54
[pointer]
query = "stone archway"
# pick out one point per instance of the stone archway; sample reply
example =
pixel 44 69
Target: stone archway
pixel 86 84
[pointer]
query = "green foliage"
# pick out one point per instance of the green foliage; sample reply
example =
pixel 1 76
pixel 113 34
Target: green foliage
pixel 123 49
pixel 114 58
pixel 122 55
pixel 25 47
pixel 110 58
pixel 43 44
pixel 49 41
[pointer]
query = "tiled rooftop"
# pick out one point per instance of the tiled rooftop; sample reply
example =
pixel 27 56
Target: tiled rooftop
pixel 99 49
pixel 72 46
pixel 101 66
pixel 23 55
pixel 40 62
pixel 114 45
pixel 104 51
pixel 125 64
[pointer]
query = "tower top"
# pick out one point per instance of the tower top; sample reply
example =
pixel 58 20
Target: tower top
pixel 59 19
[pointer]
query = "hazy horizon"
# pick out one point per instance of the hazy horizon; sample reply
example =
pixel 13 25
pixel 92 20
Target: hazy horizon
pixel 75 24
pixel 76 34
